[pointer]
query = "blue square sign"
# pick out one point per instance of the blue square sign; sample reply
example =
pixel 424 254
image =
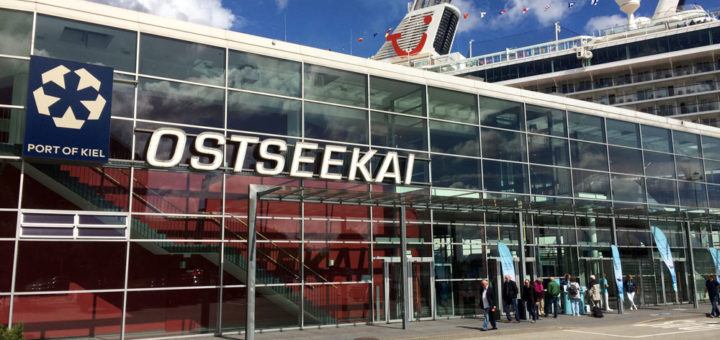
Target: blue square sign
pixel 68 110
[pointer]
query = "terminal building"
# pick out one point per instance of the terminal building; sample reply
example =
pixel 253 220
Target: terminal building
pixel 251 184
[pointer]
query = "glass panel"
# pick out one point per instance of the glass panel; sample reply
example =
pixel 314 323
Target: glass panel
pixel 9 183
pixel 172 264
pixel 182 60
pixel 123 100
pixel 690 169
pixel 85 43
pixel 451 105
pixel 625 160
pixel 121 134
pixel 692 194
pixel 177 192
pixel 687 144
pixel 505 145
pixel 88 315
pixel 713 196
pixel 546 121
pixel 398 131
pixel 8 221
pixel 13 83
pixel 264 74
pixel 711 147
pixel 656 139
pixel 337 304
pixel 395 303
pixel 453 172
pixel 278 262
pixel 454 139
pixel 421 297
pixel 15 31
pixel 505 177
pixel 589 155
pixel 335 86
pixel 659 165
pixel 397 96
pixel 712 172
pixel 593 185
pixel 628 188
pixel 547 150
pixel 586 127
pixel 63 266
pixel 331 262
pixel 623 133
pixel 171 312
pixel 180 103
pixel 336 123
pixel 49 219
pixel 502 113
pixel 550 181
pixel 661 191
pixel 256 113
pixel 7 254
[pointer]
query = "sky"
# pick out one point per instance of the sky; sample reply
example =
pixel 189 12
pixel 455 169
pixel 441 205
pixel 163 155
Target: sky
pixel 339 24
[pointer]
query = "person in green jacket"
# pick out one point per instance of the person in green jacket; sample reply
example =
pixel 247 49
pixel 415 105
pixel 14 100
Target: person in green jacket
pixel 554 292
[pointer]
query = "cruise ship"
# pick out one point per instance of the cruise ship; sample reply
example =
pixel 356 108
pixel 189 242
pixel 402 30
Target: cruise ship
pixel 665 65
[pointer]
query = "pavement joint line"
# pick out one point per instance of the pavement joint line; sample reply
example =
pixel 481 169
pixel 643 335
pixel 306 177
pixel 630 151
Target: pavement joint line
pixel 650 320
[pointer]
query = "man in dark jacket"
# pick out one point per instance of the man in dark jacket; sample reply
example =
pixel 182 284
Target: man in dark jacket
pixel 711 289
pixel 509 296
pixel 487 302
pixel 527 295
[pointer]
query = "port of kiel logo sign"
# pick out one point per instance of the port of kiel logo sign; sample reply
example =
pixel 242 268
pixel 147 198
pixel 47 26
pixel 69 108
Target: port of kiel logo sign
pixel 68 110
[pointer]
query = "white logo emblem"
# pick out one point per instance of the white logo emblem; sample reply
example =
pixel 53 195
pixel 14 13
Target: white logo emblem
pixel 68 120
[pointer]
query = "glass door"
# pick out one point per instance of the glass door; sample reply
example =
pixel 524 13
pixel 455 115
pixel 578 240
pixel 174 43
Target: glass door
pixel 421 295
pixel 419 286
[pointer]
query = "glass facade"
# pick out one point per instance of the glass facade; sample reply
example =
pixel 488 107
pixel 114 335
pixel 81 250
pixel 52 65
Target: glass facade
pixel 163 252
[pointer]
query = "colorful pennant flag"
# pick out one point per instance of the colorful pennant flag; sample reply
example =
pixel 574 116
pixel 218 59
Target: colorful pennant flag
pixel 503 12
pixel 360 39
pixel 547 7
pixel 571 4
pixel 465 16
pixel 482 14
pixel 594 2
pixel 525 10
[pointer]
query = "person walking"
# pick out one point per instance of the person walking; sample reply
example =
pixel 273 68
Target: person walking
pixel 594 292
pixel 564 298
pixel 574 291
pixel 630 288
pixel 487 302
pixel 539 294
pixel 554 297
pixel 527 295
pixel 605 291
pixel 711 290
pixel 509 296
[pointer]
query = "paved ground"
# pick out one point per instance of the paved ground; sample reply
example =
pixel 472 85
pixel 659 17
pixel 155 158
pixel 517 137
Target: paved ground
pixel 667 322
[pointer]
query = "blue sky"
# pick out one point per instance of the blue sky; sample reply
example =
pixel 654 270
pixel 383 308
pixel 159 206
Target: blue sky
pixel 336 24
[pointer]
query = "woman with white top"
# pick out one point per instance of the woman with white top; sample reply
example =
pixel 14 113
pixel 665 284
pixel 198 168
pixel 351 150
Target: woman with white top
pixel 574 294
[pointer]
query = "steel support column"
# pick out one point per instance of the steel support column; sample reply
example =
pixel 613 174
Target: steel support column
pixel 251 262
pixel 691 258
pixel 405 271
pixel 521 251
pixel 613 234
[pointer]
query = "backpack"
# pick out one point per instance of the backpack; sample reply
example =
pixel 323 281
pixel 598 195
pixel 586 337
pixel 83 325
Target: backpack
pixel 597 312
pixel 572 290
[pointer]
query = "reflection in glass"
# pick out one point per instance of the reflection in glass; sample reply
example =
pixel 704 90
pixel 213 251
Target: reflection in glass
pixel 546 121
pixel 260 73
pixel 628 188
pixel 548 150
pixel 689 169
pixel 252 112
pixel 123 100
pixel 713 196
pixel 165 192
pixel 85 43
pixel 623 133
pixel 505 177
pixel 712 172
pixel 687 144
pixel 505 145
pixel 592 185
pixel 452 105
pixel 397 96
pixel 692 194
pixel 502 113
pixel 656 139
pixel 398 131
pixel 711 147
pixel 335 86
pixel 550 181
pixel 454 139
pixel 183 60
pixel 180 103
pixel 336 123
pixel 586 127
pixel 15 31
pixel 659 165
pixel 173 264
pixel 13 82
pixel 9 184
pixel 624 160
pixel 173 312
pixel 454 172
pixel 588 155
pixel 121 139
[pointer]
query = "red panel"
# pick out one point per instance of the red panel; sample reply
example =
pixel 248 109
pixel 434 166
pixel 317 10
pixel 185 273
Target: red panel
pixel 336 262
pixel 69 315
pixel 177 192
pixel 7 253
pixel 174 312
pixel 346 302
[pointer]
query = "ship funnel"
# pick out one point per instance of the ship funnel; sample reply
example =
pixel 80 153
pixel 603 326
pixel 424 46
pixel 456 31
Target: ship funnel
pixel 629 7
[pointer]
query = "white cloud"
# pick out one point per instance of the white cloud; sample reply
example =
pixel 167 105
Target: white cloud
pixel 536 10
pixel 600 23
pixel 281 4
pixel 206 12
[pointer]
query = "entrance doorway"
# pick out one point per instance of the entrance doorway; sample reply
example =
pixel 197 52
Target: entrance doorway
pixel 389 306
